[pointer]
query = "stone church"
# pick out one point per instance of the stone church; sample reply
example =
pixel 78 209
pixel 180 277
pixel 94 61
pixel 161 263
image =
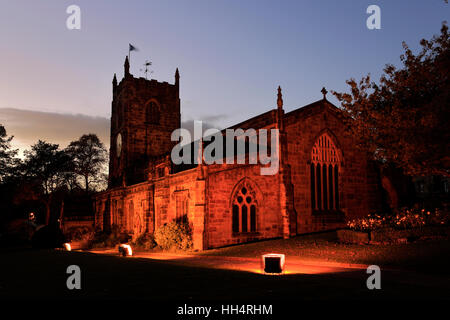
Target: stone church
pixel 322 178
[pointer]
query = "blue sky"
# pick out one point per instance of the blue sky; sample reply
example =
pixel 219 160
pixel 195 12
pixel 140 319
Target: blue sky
pixel 232 54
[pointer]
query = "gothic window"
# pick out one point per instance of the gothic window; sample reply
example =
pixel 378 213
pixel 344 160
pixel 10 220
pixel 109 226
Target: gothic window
pixel 152 111
pixel 244 210
pixel 324 175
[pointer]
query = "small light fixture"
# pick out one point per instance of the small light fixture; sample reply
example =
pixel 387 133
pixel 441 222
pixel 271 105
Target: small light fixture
pixel 125 250
pixel 67 246
pixel 272 263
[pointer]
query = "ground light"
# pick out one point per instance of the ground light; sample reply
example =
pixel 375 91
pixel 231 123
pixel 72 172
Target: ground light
pixel 272 263
pixel 67 246
pixel 254 265
pixel 125 250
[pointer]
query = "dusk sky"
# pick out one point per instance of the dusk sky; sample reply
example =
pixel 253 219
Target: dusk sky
pixel 55 83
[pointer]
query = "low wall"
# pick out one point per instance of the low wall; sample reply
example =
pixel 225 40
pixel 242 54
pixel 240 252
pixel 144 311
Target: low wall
pixel 78 223
pixel 391 235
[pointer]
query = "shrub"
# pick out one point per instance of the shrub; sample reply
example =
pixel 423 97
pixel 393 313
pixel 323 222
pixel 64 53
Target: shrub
pixel 99 239
pixel 409 218
pixel 145 241
pixel 49 236
pixel 417 218
pixel 104 239
pixel 112 241
pixel 439 217
pixel 369 223
pixel 17 232
pixel 174 236
pixel 80 234
pixel 405 218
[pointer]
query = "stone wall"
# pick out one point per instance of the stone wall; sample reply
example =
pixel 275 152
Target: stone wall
pixel 78 222
pixel 171 188
pixel 222 183
pixel 357 180
pixel 127 208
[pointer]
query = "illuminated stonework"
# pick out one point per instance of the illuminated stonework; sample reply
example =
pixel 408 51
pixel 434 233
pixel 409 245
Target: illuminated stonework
pixel 322 178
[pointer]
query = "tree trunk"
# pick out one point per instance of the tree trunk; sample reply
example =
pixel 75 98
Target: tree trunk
pixel 86 179
pixel 391 192
pixel 61 215
pixel 47 212
pixel 47 209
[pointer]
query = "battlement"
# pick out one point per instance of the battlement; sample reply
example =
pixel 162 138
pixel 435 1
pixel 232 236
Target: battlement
pixel 149 84
pixel 143 84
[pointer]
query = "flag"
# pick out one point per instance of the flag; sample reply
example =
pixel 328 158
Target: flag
pixel 132 48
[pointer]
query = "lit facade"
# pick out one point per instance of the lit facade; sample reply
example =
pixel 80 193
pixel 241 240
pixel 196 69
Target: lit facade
pixel 322 179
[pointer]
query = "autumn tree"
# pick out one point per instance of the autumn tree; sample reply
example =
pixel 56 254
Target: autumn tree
pixel 89 156
pixel 403 119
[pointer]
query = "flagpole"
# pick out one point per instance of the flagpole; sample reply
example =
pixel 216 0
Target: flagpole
pixel 131 48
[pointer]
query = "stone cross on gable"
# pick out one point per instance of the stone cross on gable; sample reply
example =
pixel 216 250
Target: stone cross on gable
pixel 324 92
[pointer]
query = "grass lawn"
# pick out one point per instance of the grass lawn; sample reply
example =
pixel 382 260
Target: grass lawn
pixel 420 271
pixel 41 274
pixel 424 256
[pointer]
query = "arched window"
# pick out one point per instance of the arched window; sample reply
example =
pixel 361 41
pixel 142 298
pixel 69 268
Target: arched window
pixel 244 210
pixel 152 113
pixel 324 175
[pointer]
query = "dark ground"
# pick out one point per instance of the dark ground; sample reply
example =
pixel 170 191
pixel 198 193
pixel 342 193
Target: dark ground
pixel 429 257
pixel 41 274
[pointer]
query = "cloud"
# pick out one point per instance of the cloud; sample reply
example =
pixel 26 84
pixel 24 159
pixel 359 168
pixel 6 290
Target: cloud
pixel 189 125
pixel 215 119
pixel 29 126
pixel 208 122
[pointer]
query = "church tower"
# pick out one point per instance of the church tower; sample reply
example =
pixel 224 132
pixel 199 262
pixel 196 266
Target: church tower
pixel 144 115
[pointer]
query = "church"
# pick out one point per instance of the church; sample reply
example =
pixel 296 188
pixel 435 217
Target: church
pixel 322 181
